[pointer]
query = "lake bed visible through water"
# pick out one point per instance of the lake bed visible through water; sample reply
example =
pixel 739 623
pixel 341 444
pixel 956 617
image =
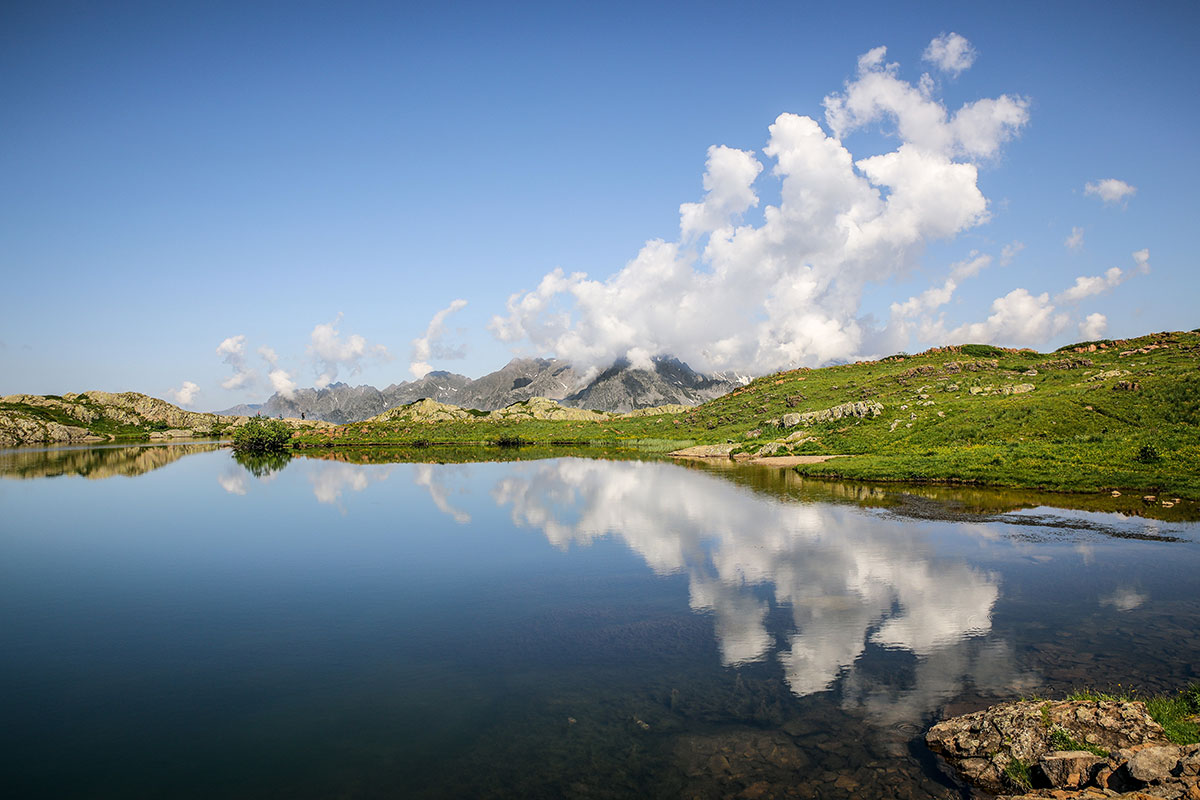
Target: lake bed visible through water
pixel 176 623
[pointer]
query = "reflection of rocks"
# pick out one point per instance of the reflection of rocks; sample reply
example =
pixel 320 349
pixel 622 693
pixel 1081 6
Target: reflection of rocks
pixel 94 462
pixel 847 578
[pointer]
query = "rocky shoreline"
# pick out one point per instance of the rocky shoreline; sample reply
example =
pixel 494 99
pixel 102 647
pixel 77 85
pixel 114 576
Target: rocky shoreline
pixel 1068 749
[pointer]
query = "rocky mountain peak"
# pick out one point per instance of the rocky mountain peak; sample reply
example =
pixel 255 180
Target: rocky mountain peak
pixel 620 388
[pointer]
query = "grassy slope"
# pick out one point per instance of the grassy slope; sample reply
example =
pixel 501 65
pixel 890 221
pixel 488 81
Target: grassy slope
pixel 1074 431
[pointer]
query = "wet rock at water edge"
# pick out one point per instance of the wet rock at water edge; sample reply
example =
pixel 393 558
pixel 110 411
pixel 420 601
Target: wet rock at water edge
pixel 986 745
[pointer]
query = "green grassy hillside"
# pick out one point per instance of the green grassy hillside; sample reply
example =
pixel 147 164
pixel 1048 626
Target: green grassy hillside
pixel 1095 416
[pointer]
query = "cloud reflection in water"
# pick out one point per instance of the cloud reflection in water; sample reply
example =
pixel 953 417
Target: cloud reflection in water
pixel 849 579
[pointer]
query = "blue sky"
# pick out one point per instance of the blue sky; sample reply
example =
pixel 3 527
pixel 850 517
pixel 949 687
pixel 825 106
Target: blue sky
pixel 323 179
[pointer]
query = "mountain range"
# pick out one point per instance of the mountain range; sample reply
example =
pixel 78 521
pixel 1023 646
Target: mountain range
pixel 620 388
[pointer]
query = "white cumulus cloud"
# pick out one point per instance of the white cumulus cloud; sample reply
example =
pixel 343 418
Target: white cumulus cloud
pixel 1075 240
pixel 281 379
pixel 1018 319
pixel 431 345
pixel 785 291
pixel 1110 190
pixel 1088 285
pixel 729 191
pixel 950 52
pixel 185 394
pixel 333 352
pixel 1142 259
pixel 1094 326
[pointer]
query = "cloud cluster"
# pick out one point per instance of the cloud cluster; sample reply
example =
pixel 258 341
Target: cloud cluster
pixel 786 292
pixel 431 344
pixel 328 350
pixel 1018 319
pixel 333 352
pixel 1110 190
pixel 185 394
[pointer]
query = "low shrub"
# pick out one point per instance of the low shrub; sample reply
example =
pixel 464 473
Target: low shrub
pixel 981 351
pixel 1148 454
pixel 260 435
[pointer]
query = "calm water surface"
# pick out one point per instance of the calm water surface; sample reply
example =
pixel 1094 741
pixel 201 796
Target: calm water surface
pixel 176 624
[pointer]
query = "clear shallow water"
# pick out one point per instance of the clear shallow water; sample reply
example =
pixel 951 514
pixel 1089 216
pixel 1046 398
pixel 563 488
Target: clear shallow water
pixel 179 625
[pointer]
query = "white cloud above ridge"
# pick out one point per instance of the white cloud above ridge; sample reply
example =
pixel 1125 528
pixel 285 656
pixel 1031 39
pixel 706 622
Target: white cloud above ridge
pixel 1018 319
pixel 328 350
pixel 281 380
pixel 333 352
pixel 785 292
pixel 1111 191
pixel 1094 326
pixel 431 344
pixel 185 394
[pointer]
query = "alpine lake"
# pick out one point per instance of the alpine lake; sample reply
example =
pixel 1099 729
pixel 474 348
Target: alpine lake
pixel 177 621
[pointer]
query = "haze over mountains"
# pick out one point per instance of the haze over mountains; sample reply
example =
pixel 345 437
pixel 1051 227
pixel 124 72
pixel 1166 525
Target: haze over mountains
pixel 620 388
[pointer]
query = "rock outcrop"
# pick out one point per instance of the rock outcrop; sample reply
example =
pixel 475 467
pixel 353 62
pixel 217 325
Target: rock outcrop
pixel 544 408
pixel 535 408
pixel 860 409
pixel 103 416
pixel 423 411
pixel 1068 749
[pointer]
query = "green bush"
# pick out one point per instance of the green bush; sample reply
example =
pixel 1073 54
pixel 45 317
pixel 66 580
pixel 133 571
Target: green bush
pixel 262 434
pixel 981 351
pixel 1148 454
